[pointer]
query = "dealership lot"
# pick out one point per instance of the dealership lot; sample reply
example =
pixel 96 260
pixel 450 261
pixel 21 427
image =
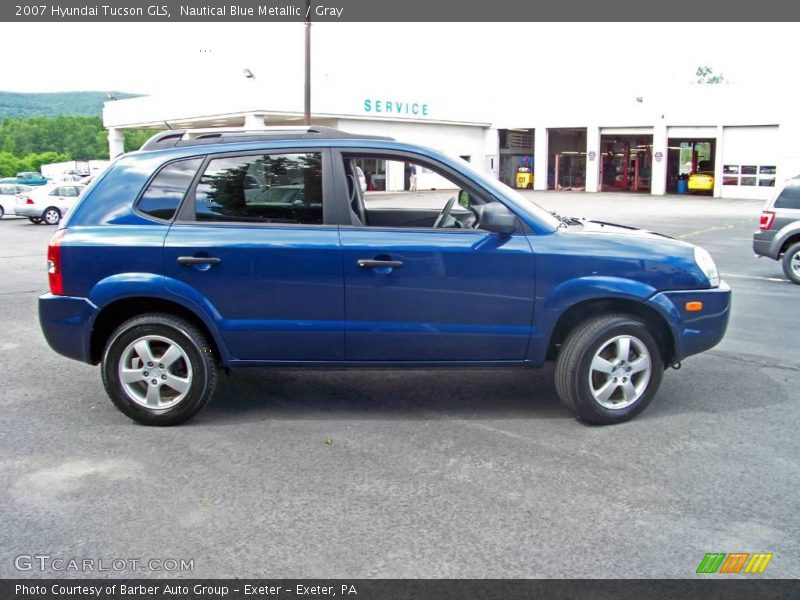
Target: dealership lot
pixel 434 473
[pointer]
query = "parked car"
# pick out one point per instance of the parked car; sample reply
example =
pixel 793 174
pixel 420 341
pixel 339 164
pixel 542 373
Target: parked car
pixel 49 204
pixel 27 178
pixel 165 272
pixel 8 192
pixel 778 236
pixel 703 179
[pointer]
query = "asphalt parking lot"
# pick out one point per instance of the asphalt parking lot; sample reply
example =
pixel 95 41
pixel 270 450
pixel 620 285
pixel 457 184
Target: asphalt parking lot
pixel 434 473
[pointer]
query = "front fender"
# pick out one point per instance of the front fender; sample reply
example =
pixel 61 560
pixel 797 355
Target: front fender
pixel 123 286
pixel 570 292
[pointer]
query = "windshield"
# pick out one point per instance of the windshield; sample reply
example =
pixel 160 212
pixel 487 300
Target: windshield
pixel 524 203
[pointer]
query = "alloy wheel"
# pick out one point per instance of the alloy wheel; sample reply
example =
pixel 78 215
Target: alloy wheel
pixel 619 372
pixel 155 372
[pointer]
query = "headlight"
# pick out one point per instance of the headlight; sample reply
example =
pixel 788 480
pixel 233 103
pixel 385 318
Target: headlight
pixel 707 265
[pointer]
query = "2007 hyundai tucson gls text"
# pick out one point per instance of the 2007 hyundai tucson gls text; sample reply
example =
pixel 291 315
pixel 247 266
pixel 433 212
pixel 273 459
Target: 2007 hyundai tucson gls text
pixel 214 250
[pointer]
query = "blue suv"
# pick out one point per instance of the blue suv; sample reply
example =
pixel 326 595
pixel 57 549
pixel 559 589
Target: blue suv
pixel 220 249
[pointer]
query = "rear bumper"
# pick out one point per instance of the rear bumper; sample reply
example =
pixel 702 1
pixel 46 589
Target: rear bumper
pixel 67 325
pixel 764 244
pixel 27 210
pixel 695 332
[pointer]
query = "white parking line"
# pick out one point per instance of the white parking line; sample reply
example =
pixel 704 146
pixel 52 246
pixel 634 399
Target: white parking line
pixel 778 279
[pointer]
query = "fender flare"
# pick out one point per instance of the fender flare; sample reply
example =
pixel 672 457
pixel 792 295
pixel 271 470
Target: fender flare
pixel 567 294
pixel 123 286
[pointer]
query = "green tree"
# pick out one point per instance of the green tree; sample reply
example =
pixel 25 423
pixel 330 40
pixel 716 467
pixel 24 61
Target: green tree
pixel 705 74
pixel 134 138
pixel 9 164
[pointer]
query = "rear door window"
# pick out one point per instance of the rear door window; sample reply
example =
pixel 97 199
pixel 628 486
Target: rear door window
pixel 264 188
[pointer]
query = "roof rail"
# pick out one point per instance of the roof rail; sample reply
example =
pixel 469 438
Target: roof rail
pixel 172 138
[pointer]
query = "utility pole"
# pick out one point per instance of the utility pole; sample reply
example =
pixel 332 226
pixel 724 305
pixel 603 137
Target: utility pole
pixel 308 64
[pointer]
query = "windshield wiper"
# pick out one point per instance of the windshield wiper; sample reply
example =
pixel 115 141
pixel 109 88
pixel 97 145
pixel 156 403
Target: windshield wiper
pixel 566 221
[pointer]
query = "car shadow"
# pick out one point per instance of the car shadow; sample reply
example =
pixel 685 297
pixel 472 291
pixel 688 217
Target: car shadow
pixel 293 394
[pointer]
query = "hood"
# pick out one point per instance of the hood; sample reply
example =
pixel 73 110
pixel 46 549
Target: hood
pixel 606 227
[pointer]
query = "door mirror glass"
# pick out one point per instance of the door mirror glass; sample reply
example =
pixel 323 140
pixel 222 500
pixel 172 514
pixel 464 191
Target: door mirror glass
pixel 497 218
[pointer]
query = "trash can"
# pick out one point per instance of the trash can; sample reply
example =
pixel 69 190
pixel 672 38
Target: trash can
pixel 683 186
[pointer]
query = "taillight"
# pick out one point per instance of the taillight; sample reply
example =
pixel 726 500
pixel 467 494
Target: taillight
pixel 767 217
pixel 54 273
pixel 28 200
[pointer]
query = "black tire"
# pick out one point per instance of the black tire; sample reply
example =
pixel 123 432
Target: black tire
pixel 51 216
pixel 198 356
pixel 792 255
pixel 574 375
pixel 2 212
pixel 35 220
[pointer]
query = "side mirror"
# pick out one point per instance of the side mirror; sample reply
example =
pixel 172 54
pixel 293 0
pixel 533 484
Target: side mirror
pixel 497 218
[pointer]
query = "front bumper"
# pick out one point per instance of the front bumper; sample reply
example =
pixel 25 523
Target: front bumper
pixel 695 332
pixel 67 325
pixel 763 244
pixel 27 210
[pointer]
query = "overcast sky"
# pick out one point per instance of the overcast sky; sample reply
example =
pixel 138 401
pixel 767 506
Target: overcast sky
pixel 481 60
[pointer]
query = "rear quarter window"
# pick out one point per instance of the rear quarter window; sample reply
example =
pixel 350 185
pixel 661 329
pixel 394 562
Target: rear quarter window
pixel 165 192
pixel 789 196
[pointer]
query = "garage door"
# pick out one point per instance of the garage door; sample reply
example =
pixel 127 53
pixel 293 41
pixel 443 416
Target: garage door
pixel 749 161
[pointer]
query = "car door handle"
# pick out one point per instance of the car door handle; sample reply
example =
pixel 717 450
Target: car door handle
pixel 365 263
pixel 198 260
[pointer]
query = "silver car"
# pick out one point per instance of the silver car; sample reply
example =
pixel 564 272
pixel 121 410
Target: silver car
pixel 47 204
pixel 778 236
pixel 8 191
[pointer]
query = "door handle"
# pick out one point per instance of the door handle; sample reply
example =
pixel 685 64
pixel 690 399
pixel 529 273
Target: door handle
pixel 365 263
pixel 198 260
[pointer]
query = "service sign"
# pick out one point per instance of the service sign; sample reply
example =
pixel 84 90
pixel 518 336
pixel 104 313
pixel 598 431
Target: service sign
pixel 405 108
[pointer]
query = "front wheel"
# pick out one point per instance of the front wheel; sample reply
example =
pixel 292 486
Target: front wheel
pixel 51 215
pixel 609 369
pixel 159 369
pixel 791 263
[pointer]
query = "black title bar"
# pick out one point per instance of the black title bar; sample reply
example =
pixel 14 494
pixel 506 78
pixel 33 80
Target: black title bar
pixel 731 588
pixel 399 11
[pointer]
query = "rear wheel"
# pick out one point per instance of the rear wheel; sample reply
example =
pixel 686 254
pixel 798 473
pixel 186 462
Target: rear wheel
pixel 2 212
pixel 159 369
pixel 609 369
pixel 51 215
pixel 791 263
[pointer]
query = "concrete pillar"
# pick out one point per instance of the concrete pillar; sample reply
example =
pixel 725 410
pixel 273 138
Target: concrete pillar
pixel 395 176
pixel 718 162
pixel 592 159
pixel 116 142
pixel 540 158
pixel 491 144
pixel 254 121
pixel 658 174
